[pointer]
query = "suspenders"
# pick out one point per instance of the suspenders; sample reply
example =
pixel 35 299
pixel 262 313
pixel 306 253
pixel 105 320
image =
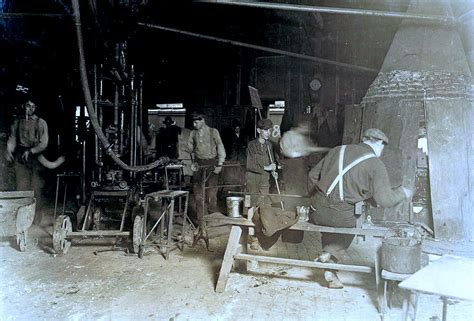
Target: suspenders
pixel 343 170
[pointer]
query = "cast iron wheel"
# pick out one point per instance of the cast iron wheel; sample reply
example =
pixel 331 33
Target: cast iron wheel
pixel 21 240
pixel 137 233
pixel 62 227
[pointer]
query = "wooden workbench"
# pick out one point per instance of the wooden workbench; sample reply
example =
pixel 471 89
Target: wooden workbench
pixel 237 246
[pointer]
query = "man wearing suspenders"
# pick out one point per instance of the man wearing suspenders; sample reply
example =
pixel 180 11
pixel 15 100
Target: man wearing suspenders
pixel 347 175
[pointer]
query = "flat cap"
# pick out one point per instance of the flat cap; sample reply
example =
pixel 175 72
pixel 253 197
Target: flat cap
pixel 376 133
pixel 264 123
pixel 197 115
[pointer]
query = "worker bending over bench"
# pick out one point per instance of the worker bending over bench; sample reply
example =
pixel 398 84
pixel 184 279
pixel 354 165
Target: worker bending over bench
pixel 347 175
pixel 236 249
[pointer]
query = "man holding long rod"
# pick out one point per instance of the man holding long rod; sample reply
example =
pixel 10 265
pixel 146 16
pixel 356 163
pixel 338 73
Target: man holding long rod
pixel 260 167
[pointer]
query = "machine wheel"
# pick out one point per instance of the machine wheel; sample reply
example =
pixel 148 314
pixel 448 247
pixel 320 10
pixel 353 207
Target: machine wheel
pixel 21 240
pixel 62 227
pixel 137 233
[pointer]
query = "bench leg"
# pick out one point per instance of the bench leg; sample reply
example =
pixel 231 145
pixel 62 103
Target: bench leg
pixel 233 247
pixel 240 265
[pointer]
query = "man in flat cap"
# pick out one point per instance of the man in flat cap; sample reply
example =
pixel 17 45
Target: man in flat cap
pixel 261 164
pixel 349 174
pixel 206 146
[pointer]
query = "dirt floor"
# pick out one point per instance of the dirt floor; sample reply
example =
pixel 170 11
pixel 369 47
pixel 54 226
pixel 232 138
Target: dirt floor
pixel 86 284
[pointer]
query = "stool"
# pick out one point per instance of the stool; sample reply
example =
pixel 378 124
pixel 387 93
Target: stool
pixel 164 242
pixel 391 280
pixel 62 177
pixel 179 169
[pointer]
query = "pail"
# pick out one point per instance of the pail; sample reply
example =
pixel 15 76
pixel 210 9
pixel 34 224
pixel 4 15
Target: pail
pixel 234 204
pixel 401 252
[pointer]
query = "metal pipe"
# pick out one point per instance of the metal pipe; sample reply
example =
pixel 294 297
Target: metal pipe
pixel 247 45
pixel 31 14
pixel 88 99
pixel 140 121
pixel 267 194
pixel 348 11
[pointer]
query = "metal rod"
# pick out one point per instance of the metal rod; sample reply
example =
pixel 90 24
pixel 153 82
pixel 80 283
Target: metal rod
pixel 157 222
pixel 29 14
pixel 268 194
pixel 334 10
pixel 64 198
pixel 124 213
pixel 273 175
pixel 56 198
pixel 273 50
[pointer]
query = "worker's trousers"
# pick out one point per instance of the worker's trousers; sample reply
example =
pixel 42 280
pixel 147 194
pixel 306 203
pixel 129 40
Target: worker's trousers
pixel 204 198
pixel 333 213
pixel 258 183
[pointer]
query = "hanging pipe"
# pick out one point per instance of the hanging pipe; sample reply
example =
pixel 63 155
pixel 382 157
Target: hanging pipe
pixel 92 115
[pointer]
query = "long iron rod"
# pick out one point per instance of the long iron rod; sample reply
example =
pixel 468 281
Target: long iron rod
pixel 273 175
pixel 268 194
pixel 333 10
pixel 273 50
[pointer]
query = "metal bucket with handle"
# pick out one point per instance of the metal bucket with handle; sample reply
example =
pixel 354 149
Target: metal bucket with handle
pixel 401 250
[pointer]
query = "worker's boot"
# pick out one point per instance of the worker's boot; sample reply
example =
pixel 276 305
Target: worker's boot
pixel 324 258
pixel 333 280
pixel 253 242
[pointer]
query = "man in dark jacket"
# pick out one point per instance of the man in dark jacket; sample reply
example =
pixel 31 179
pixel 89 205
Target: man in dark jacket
pixel 260 167
pixel 168 137
pixel 345 176
pixel 261 162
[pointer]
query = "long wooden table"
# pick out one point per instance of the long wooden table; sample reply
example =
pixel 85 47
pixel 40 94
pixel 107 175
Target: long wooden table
pixel 236 249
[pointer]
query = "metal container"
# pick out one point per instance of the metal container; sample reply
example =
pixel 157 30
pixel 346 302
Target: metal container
pixel 303 212
pixel 401 255
pixel 234 205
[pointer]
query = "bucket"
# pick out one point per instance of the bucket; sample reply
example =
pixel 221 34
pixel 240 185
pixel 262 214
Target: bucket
pixel 401 252
pixel 233 206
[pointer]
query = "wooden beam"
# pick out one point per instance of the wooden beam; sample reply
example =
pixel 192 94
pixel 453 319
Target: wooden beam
pixel 311 264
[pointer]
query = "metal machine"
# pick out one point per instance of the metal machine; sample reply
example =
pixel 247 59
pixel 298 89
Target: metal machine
pixel 109 134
